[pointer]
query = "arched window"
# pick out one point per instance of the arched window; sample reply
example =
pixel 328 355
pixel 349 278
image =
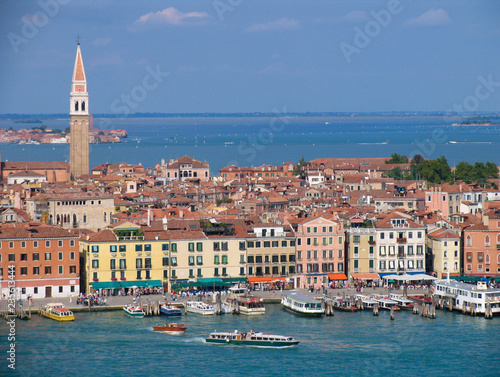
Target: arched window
pixel 76 105
pixel 498 238
pixel 445 265
pixel 456 266
pixel 445 254
pixel 74 219
pixel 487 258
pixel 469 241
pixel 83 105
pixel 105 217
pixel 487 240
pixel 84 218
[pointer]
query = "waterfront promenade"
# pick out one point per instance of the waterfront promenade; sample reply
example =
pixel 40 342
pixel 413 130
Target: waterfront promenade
pixel 117 302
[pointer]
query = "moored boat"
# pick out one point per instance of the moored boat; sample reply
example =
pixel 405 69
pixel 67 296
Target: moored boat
pixel 134 311
pixel 171 328
pixel 170 310
pixel 301 304
pixel 402 302
pixel 367 302
pixel 57 312
pixel 343 305
pixel 421 299
pixel 386 303
pixel 199 307
pixel 251 338
pixel 245 304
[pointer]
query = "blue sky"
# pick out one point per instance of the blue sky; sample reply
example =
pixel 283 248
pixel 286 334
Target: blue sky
pixel 246 56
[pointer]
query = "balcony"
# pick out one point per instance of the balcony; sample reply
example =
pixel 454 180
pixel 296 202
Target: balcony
pixel 371 243
pixel 401 240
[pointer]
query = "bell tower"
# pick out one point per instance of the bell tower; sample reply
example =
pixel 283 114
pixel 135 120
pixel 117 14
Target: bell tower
pixel 79 120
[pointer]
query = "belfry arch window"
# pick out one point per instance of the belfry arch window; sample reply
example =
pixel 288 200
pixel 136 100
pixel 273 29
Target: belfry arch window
pixel 83 106
pixel 76 105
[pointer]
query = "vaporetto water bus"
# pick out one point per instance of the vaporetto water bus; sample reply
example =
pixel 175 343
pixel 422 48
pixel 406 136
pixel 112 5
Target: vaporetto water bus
pixel 57 312
pixel 251 338
pixel 247 304
pixel 465 296
pixel 302 304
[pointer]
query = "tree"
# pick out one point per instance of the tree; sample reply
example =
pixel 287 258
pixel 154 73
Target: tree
pixel 56 131
pixel 434 171
pixel 464 172
pixel 397 159
pixel 298 168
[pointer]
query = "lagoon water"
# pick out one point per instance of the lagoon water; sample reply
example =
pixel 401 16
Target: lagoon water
pixel 358 344
pixel 254 141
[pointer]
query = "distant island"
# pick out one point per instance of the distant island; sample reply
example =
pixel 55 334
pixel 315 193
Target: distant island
pixel 479 121
pixel 44 135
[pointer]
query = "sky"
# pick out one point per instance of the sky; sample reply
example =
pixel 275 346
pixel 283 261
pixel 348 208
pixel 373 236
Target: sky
pixel 227 56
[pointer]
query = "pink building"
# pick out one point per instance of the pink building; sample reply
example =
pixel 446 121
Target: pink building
pixel 320 252
pixel 482 246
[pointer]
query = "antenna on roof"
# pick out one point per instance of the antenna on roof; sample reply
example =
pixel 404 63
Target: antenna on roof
pixel 78 40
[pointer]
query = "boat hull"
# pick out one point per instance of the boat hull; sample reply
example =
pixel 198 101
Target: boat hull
pixel 254 343
pixel 303 314
pixel 170 313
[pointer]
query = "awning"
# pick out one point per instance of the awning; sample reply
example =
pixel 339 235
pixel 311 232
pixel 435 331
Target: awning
pixel 105 285
pixel 154 283
pixel 130 284
pixel 337 277
pixel 265 280
pixel 234 280
pixel 209 281
pixel 365 276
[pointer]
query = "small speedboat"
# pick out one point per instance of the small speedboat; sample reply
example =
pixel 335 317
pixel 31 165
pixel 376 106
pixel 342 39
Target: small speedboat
pixel 134 311
pixel 170 310
pixel 171 328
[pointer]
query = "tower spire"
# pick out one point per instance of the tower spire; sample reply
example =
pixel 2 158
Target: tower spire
pixel 79 119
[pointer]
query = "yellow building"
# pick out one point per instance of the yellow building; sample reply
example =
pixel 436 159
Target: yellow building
pixel 443 247
pixel 127 255
pixel 361 257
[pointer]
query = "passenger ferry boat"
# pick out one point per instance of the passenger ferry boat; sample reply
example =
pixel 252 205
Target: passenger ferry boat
pixel 386 303
pixel 57 312
pixel 462 293
pixel 302 304
pixel 247 305
pixel 199 307
pixel 171 328
pixel 134 311
pixel 170 310
pixel 402 302
pixel 251 338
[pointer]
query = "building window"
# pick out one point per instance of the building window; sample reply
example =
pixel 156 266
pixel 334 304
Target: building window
pixel 191 246
pixel 122 248
pixel 72 243
pixel 47 243
pixel 191 260
pixel 61 269
pixel 35 243
pixel 147 247
pixel 199 259
pixel 48 256
pixel 95 249
pixel 199 246
pixel 138 263
pixel 224 259
pixel 48 270
pixel 60 255
pixel 36 270
pixel 164 247
pixel 59 243
pixel 138 247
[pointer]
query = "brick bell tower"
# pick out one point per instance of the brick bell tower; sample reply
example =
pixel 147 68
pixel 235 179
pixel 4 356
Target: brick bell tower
pixel 79 120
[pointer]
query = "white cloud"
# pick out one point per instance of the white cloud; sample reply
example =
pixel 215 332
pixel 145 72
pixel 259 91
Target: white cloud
pixel 433 17
pixel 356 16
pixel 170 16
pixel 101 42
pixel 276 25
